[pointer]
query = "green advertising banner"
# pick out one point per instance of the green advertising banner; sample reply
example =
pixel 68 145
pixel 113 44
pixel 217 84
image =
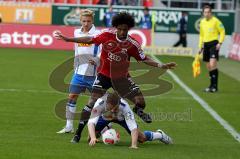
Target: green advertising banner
pixel 166 20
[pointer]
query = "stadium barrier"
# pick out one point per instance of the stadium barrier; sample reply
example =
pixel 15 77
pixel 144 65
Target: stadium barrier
pixel 175 51
pixel 166 19
pixel 41 36
pixel 234 50
pixel 45 13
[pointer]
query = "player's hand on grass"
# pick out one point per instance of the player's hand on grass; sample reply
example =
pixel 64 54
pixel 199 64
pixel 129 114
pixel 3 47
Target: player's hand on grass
pixel 93 142
pixel 170 65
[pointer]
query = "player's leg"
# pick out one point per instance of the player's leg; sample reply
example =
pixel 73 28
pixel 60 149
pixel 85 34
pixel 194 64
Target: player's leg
pixel 211 59
pixel 76 87
pixel 179 41
pixel 126 88
pixel 206 59
pixel 154 135
pixel 184 40
pixel 101 84
pixel 213 68
pixel 139 101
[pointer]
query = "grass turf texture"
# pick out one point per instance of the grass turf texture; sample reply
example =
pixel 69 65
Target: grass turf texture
pixel 28 121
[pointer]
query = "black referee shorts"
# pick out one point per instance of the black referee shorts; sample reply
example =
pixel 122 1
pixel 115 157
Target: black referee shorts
pixel 210 51
pixel 125 87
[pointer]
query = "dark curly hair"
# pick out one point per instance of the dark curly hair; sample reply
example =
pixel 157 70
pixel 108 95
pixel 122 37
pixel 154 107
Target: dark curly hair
pixel 123 18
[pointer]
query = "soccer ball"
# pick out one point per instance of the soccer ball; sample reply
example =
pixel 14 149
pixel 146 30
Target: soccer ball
pixel 110 137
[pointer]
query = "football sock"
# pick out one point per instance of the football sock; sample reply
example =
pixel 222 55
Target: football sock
pixel 214 78
pixel 70 111
pixel 210 77
pixel 150 136
pixel 85 115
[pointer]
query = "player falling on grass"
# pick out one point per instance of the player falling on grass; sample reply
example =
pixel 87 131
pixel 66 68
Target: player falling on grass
pixel 84 73
pixel 111 108
pixel 117 49
pixel 211 37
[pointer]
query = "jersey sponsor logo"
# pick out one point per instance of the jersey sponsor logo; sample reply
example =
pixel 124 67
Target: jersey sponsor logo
pixel 84 45
pixel 113 57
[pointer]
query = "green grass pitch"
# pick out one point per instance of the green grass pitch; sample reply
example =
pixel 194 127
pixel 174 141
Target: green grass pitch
pixel 28 122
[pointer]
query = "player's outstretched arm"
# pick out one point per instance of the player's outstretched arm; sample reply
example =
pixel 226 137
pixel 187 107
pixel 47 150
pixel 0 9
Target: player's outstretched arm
pixel 134 135
pixel 86 39
pixel 149 61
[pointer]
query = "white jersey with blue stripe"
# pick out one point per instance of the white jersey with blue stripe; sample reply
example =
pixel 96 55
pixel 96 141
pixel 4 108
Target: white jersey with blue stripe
pixel 85 52
pixel 124 113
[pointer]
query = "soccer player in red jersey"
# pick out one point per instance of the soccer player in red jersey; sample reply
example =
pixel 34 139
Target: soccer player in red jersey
pixel 117 49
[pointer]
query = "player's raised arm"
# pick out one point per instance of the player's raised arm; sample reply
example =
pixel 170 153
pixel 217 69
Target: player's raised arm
pixel 86 39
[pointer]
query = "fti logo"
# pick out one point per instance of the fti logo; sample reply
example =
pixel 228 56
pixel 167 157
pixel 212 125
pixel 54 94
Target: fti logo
pixel 24 15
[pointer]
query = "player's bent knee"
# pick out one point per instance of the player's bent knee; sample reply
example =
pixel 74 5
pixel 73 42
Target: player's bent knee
pixel 141 104
pixel 92 101
pixel 141 139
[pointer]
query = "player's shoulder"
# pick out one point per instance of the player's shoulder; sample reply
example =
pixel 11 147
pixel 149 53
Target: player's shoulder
pixel 99 102
pixel 134 42
pixel 202 20
pixel 108 31
pixel 216 19
pixel 97 31
pixel 77 31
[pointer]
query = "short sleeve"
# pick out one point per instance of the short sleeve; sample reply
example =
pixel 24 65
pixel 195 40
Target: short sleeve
pixel 136 50
pixel 96 112
pixel 138 53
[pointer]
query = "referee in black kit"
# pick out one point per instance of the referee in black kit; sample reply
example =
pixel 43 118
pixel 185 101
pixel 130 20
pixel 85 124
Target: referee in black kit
pixel 212 34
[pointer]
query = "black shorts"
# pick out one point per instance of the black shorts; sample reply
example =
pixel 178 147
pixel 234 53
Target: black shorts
pixel 210 51
pixel 125 87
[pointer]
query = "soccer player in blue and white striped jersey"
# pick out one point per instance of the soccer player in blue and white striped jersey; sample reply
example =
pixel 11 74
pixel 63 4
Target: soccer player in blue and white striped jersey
pixel 84 72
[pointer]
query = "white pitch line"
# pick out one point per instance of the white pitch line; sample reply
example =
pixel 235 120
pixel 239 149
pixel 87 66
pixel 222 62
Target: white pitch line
pixel 204 104
pixel 27 90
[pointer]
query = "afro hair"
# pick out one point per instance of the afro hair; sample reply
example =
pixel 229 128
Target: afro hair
pixel 123 18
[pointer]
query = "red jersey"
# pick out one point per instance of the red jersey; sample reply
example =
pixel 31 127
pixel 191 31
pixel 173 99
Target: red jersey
pixel 116 53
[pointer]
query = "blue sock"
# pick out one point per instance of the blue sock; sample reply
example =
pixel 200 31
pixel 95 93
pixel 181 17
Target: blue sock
pixel 149 135
pixel 71 103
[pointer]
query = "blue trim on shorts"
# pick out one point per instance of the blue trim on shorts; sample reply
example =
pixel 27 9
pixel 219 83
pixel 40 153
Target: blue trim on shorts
pixel 102 123
pixel 94 55
pixel 80 83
